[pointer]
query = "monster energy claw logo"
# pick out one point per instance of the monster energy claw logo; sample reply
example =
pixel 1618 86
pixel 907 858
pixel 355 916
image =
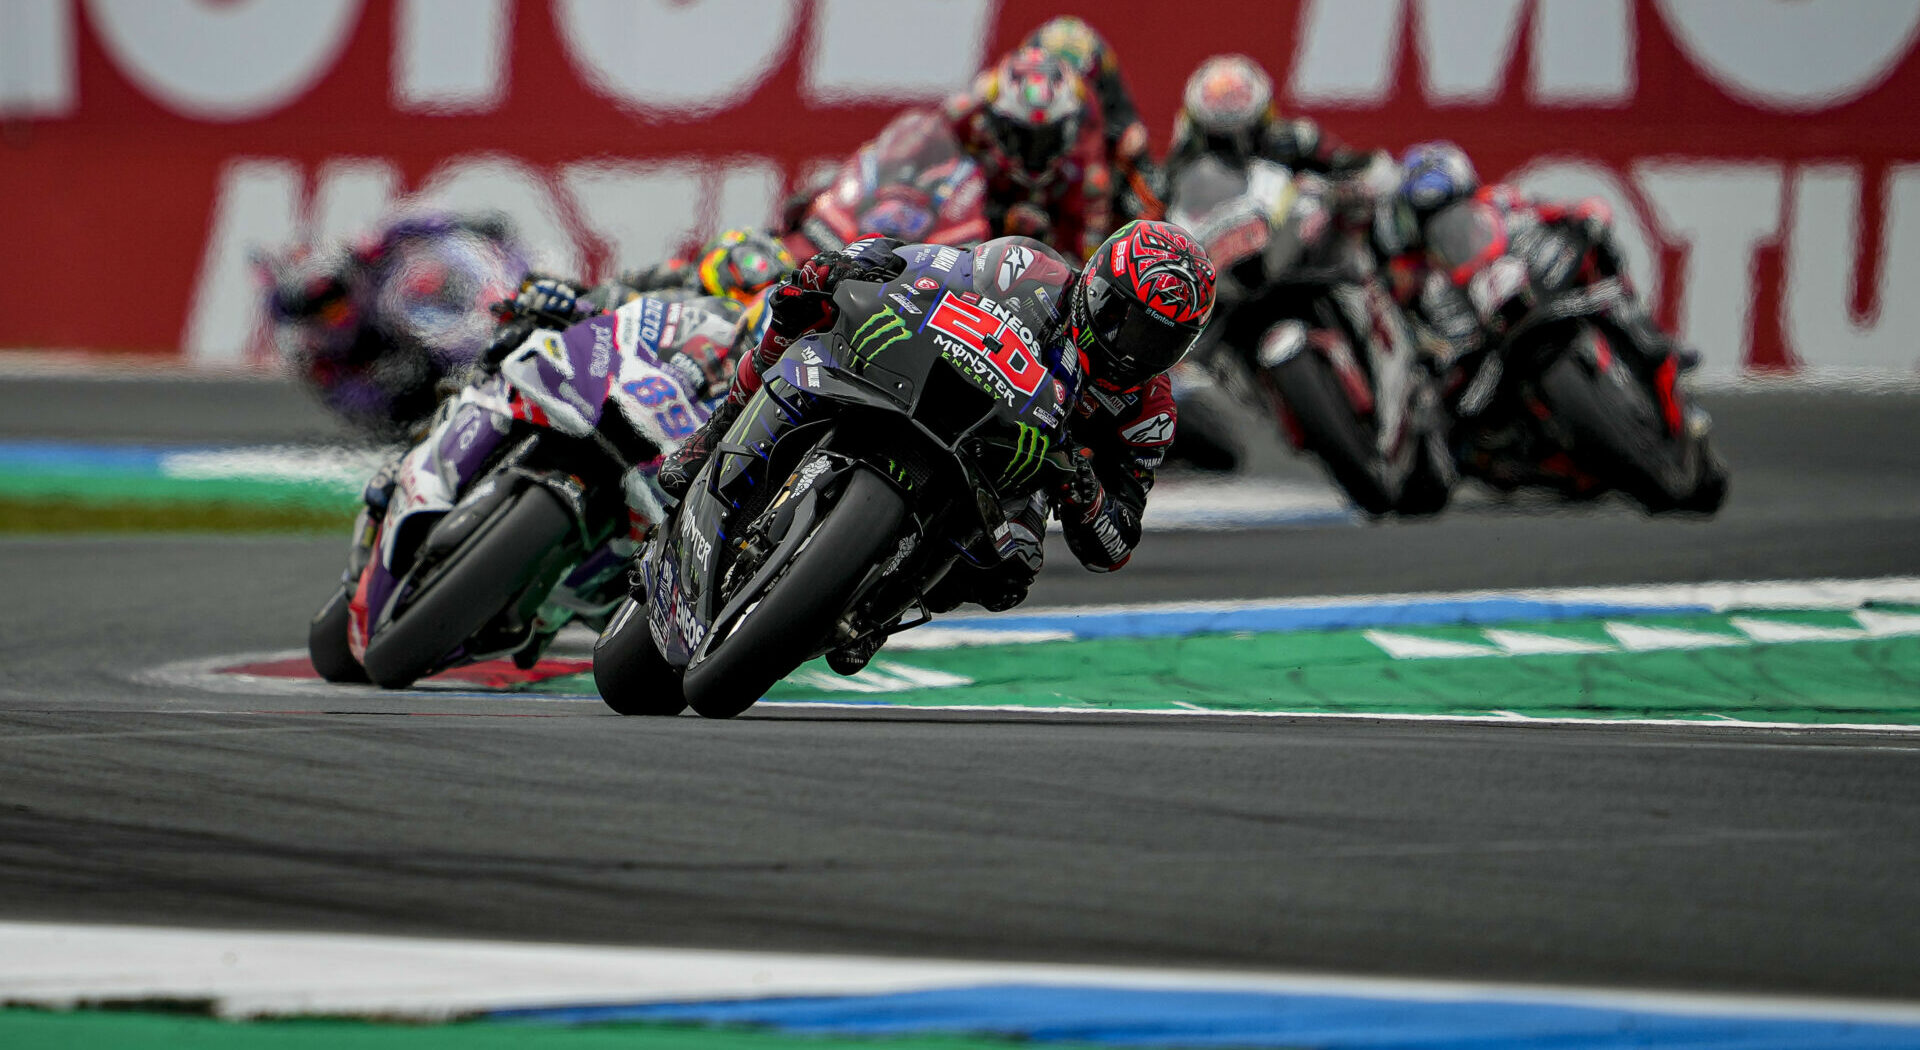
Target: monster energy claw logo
pixel 1027 455
pixel 881 331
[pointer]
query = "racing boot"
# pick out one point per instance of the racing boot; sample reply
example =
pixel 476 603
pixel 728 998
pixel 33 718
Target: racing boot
pixel 683 463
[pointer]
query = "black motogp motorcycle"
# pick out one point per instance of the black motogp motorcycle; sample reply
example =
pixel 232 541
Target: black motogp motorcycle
pixel 879 455
pixel 1569 387
pixel 1302 308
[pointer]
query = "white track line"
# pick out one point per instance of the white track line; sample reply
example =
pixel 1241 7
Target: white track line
pixel 1717 596
pixel 253 973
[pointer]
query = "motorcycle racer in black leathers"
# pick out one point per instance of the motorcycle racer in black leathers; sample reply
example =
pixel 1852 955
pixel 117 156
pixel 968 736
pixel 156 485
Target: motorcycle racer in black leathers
pixel 1129 316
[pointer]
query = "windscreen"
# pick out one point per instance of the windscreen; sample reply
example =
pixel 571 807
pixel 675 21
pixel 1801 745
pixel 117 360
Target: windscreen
pixel 1464 233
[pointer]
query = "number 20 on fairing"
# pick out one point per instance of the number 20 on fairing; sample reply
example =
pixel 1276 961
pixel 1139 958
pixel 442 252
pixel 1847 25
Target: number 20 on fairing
pixel 973 325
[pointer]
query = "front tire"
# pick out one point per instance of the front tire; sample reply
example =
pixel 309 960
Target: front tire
pixel 327 642
pixel 489 572
pixel 796 611
pixel 628 670
pixel 1616 432
pixel 1332 430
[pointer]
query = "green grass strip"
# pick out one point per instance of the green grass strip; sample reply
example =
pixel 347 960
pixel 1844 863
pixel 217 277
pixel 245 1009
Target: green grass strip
pixel 24 1029
pixel 133 486
pixel 79 516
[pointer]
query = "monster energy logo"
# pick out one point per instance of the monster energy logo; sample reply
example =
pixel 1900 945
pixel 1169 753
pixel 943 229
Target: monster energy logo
pixel 881 331
pixel 1027 455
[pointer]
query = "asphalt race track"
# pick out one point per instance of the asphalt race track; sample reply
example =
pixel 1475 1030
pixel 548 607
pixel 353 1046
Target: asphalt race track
pixel 1734 859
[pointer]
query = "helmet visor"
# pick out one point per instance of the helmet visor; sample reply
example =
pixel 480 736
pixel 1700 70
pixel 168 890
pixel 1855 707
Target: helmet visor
pixel 1036 147
pixel 1136 343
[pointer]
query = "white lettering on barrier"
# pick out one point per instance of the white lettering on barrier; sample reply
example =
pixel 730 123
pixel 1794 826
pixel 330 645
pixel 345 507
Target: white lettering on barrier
pixel 255 210
pixel 640 211
pixel 1796 55
pixel 349 196
pixel 1582 50
pixel 227 61
pixel 683 58
pixel 1721 213
pixel 450 56
pixel 1822 247
pixel 745 190
pixel 896 51
pixel 37 76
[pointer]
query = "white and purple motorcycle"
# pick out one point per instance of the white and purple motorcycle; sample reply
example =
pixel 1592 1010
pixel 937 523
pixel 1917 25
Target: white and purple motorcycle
pixel 520 509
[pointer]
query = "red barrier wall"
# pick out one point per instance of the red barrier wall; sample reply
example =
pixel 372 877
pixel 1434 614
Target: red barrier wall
pixel 1761 152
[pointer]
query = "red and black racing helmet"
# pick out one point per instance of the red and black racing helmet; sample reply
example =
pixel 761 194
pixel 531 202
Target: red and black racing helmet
pixel 1140 303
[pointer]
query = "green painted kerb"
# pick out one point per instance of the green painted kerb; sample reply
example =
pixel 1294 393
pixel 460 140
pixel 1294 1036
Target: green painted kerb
pixel 1859 680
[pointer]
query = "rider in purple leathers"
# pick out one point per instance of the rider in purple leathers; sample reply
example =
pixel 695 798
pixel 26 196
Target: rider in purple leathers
pixel 375 327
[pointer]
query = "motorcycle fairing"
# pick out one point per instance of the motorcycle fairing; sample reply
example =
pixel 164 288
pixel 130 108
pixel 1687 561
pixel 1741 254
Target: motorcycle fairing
pixel 568 377
pixel 469 429
pixel 565 374
pixel 914 181
pixel 930 351
pixel 652 396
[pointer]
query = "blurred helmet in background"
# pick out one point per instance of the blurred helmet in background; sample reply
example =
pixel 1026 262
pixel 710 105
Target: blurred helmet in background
pixel 1034 107
pixel 1432 176
pixel 311 303
pixel 1228 106
pixel 1071 40
pixel 738 264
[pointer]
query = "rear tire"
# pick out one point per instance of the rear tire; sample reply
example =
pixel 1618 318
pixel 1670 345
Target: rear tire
pixel 628 670
pixel 1332 430
pixel 327 642
pixel 492 570
pixel 796 612
pixel 1426 490
pixel 1617 433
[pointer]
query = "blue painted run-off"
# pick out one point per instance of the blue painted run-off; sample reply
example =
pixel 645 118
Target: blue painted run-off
pixel 1145 623
pixel 70 456
pixel 1133 1017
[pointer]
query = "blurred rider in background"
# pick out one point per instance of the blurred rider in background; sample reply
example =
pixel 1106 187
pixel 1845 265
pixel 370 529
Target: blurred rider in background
pixel 1038 136
pixel 738 264
pixel 1227 111
pixel 375 326
pixel 1087 53
pixel 1436 175
pixel 1125 319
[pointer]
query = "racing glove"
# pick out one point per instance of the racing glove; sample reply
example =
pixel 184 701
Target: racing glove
pixel 1079 498
pixel 542 302
pixel 547 300
pixel 803 300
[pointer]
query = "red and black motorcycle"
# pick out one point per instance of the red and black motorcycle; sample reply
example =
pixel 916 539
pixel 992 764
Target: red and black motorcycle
pixel 913 182
pixel 1564 384
pixel 1302 307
